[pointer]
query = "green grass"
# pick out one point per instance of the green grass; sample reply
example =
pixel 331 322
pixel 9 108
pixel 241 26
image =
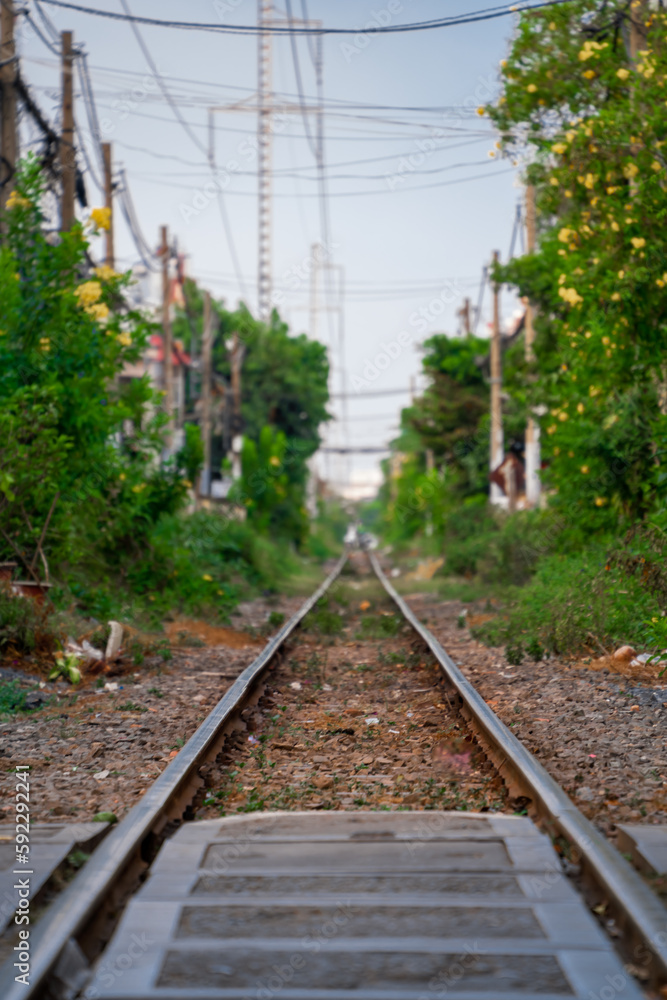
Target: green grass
pixel 380 626
pixel 573 603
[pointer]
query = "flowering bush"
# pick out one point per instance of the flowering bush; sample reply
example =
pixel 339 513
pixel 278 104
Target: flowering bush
pixel 83 446
pixel 591 125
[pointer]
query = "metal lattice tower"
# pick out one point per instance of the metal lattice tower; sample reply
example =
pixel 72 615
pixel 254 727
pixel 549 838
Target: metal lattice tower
pixel 264 136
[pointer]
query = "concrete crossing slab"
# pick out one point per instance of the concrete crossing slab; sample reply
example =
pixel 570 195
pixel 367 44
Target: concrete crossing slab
pixel 373 906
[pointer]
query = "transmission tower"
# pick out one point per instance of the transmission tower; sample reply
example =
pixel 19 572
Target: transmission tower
pixel 264 128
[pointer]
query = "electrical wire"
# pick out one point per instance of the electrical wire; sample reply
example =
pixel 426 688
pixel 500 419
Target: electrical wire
pixel 487 14
pixel 188 130
pixel 38 31
pixel 356 194
pixel 299 82
pixel 144 250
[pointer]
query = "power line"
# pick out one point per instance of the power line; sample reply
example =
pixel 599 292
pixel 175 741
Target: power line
pixel 355 194
pixel 371 395
pixel 189 132
pixel 487 14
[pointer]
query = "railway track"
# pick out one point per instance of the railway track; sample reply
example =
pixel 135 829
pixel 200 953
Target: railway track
pixel 334 904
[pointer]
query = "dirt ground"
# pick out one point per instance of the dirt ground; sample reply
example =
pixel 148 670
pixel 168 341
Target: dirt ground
pixel 353 719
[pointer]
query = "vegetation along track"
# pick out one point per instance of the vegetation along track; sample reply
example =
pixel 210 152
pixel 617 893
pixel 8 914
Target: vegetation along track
pixel 360 709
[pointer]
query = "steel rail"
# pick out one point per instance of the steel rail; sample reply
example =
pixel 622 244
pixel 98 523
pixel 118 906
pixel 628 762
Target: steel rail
pixel 643 913
pixel 83 898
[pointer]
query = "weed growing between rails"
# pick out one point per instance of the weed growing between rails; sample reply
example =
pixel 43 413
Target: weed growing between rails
pixel 355 717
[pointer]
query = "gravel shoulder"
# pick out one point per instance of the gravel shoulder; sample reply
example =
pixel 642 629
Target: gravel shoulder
pixel 598 728
pixel 94 750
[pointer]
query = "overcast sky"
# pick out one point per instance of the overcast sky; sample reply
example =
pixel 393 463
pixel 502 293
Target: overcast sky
pixel 416 203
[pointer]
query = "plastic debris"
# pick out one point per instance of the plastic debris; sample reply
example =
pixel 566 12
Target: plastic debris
pixel 114 641
pixel 295 685
pixel 101 775
pixel 372 720
pixel 111 686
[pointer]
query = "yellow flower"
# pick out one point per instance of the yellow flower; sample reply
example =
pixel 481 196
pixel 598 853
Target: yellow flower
pixel 562 416
pixel 600 501
pixel 605 340
pixel 531 88
pixel 139 489
pixel 638 242
pixel 630 170
pixel 559 147
pixel 88 293
pixel 480 111
pixel 656 166
pixel 615 226
pixel 16 200
pixel 580 407
pixel 588 335
pixel 570 295
pixel 274 461
pixel 105 273
pixel 44 344
pixel 187 484
pixel 552 25
pixel 589 180
pixel 98 311
pixel 556 451
pixel 553 181
pixel 616 297
pixel 568 194
pixel 101 218
pixel 209 579
pixel 552 429
pixel 622 73
pixel 621 274
pixel 593 390
pixel 584 469
pixel 124 339
pixel 589 74
pixel 565 235
pixel 122 477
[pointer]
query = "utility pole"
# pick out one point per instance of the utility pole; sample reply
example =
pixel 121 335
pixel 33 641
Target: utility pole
pixel 264 126
pixel 267 109
pixel 207 351
pixel 237 421
pixel 67 151
pixel 167 340
pixel 314 289
pixel 497 450
pixel 108 193
pixel 8 73
pixel 533 456
pixel 637 29
pixel 465 316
